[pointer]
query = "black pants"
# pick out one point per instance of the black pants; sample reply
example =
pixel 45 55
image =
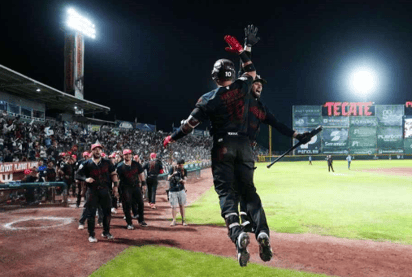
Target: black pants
pixel 132 196
pixel 80 186
pixel 151 189
pixel 232 154
pixel 96 197
pixel 330 167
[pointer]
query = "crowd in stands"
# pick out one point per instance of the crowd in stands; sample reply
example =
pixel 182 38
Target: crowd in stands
pixel 29 141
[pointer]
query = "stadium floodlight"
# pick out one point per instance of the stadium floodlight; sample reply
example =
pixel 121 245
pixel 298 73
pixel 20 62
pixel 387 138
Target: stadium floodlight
pixel 80 24
pixel 38 90
pixel 363 81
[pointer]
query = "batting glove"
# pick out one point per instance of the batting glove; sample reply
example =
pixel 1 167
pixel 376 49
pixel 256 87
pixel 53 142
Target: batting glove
pixel 167 140
pixel 250 35
pixel 234 45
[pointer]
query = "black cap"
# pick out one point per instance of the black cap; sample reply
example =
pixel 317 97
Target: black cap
pixel 181 161
pixel 259 79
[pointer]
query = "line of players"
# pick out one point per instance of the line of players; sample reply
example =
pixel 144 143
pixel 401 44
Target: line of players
pixel 97 179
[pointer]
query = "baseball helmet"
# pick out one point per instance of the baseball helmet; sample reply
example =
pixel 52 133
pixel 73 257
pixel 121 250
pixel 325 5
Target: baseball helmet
pixel 223 70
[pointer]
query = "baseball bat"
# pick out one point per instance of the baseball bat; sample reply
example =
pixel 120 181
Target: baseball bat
pixel 312 133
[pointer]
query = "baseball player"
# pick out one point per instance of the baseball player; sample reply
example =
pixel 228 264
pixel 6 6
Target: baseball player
pixel 98 174
pixel 154 167
pixel 330 163
pixel 349 159
pixel 227 107
pixel 130 173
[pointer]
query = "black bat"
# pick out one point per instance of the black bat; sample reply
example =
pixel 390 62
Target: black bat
pixel 312 133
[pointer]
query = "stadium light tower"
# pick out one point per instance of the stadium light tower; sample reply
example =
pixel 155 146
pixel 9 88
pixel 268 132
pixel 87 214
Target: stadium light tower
pixel 79 27
pixel 363 82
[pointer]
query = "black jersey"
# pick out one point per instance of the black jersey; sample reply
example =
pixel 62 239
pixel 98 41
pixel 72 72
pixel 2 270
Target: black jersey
pixel 226 107
pixel 29 179
pixel 258 112
pixel 68 173
pixel 129 174
pixel 153 168
pixel 101 172
pixel 49 175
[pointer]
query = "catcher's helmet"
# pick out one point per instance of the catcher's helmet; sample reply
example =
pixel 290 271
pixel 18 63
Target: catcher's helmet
pixel 223 70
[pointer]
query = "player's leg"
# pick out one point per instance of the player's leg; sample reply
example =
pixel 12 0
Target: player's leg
pixel 91 206
pixel 137 201
pixel 127 205
pixel 105 201
pixel 153 193
pixel 149 183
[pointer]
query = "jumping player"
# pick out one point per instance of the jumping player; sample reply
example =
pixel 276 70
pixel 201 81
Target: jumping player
pixel 130 172
pixel 98 174
pixel 227 108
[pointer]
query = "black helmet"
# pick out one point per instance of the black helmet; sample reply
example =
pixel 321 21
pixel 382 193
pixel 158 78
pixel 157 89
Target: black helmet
pixel 223 70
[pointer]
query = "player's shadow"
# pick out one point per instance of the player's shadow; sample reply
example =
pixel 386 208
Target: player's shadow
pixel 142 242
pixel 177 228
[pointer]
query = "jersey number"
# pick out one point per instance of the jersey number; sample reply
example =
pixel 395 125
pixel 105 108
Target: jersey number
pixel 228 74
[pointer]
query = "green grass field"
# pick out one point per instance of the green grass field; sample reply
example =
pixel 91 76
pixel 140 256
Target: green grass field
pixel 149 261
pixel 298 198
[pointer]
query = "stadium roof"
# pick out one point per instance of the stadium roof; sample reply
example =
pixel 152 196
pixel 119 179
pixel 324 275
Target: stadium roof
pixel 23 86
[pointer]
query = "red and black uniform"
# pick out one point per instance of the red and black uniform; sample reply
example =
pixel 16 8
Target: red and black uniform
pixel 98 192
pixel 228 109
pixel 131 194
pixel 68 176
pixel 154 168
pixel 80 184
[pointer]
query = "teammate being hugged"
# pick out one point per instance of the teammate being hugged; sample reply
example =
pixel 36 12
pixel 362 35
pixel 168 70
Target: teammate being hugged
pixel 98 174
pixel 227 107
pixel 154 167
pixel 130 173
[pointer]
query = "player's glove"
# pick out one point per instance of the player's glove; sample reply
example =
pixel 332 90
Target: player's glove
pixel 234 45
pixel 167 140
pixel 304 138
pixel 250 35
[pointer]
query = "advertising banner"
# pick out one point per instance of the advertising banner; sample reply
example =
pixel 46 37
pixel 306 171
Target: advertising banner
pixel 307 121
pixel 338 121
pixel 146 127
pixel 363 151
pixel 362 132
pixel 366 121
pixel 407 128
pixel 390 115
pixel 124 125
pixel 93 128
pixel 389 138
pixel 312 147
pixel 16 167
pixel 335 140
pixel 407 145
pixel 358 143
pixel 300 111
pixel 79 73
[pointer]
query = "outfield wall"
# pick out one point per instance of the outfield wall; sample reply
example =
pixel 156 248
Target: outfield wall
pixel 355 128
pixel 322 157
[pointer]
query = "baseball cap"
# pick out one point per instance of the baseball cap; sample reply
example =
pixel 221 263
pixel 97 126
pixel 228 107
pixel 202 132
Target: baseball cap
pixel 128 151
pixel 96 145
pixel 103 155
pixel 62 154
pixel 27 171
pixel 152 155
pixel 260 79
pixel 85 154
pixel 74 157
pixel 181 161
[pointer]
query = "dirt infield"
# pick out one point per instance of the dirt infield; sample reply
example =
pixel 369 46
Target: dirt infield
pixel 46 242
pixel 397 171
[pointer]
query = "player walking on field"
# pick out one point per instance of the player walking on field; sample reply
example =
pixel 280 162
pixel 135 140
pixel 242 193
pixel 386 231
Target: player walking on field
pixel 98 174
pixel 130 173
pixel 154 167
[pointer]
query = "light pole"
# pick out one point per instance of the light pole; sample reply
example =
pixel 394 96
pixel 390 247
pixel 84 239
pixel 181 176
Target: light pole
pixel 74 52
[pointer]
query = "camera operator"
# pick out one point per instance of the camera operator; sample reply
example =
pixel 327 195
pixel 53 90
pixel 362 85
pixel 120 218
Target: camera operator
pixel 177 192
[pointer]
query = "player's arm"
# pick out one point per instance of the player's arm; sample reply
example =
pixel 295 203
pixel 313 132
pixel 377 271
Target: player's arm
pixel 250 40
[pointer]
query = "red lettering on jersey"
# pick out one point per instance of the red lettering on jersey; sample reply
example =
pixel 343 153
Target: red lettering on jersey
pixel 258 113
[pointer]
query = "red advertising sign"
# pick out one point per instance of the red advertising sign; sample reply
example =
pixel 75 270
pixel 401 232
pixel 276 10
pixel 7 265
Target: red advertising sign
pixel 408 104
pixel 348 109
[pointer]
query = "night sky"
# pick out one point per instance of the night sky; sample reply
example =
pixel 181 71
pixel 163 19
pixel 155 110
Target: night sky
pixel 152 59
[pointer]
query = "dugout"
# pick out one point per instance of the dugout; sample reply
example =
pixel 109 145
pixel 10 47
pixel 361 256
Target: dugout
pixel 33 100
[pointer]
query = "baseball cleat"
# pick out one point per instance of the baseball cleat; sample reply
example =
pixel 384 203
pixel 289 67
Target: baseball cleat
pixel 135 216
pixel 92 239
pixel 184 223
pixel 173 223
pixel 243 255
pixel 130 227
pixel 81 227
pixel 107 235
pixel 113 210
pixel 143 224
pixel 265 251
